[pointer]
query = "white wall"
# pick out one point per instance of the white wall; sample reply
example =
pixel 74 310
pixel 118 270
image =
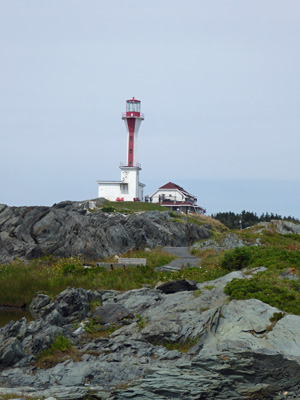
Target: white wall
pixel 109 190
pixel 172 194
pixel 129 187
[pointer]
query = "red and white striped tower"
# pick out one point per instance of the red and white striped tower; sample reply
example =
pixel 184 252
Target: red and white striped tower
pixel 132 118
pixel 131 187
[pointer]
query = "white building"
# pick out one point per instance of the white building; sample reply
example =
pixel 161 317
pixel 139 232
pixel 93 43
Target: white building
pixel 176 198
pixel 129 188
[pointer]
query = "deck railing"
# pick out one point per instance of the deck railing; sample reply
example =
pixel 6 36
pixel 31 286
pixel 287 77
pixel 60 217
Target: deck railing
pixel 124 115
pixel 134 165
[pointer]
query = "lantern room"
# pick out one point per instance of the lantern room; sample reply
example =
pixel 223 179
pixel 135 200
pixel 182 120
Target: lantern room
pixel 133 108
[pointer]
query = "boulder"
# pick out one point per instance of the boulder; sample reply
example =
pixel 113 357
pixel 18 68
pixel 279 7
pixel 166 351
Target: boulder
pixel 11 351
pixel 69 306
pixel 177 286
pixel 38 303
pixel 17 329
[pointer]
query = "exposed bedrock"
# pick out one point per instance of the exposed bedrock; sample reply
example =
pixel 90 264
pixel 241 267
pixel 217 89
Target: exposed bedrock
pixel 192 344
pixel 68 229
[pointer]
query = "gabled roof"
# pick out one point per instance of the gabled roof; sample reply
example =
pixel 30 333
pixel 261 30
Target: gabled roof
pixel 171 185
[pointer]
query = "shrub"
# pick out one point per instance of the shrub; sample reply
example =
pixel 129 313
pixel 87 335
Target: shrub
pixel 277 316
pixel 108 209
pixel 267 290
pixel 236 259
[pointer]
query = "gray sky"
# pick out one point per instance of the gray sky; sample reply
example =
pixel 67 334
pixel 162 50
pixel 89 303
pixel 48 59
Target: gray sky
pixel 219 82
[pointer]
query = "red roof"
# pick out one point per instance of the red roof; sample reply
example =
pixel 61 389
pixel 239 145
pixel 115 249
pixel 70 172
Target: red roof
pixel 172 185
pixel 133 99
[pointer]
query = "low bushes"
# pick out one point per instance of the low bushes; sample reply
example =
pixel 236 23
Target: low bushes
pixel 236 259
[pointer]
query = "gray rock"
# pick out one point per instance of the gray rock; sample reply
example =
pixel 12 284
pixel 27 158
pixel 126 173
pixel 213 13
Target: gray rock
pixel 233 350
pixel 10 351
pixel 111 313
pixel 38 303
pixel 67 229
pixel 227 241
pixel 16 329
pixel 45 338
pixel 69 306
pixel 230 376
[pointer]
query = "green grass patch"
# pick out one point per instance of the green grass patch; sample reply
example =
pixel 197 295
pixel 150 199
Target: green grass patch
pixel 95 329
pixel 182 347
pixel 20 281
pixel 128 207
pixel 59 350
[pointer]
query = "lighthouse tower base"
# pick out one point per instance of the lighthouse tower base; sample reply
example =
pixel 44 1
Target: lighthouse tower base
pixel 129 188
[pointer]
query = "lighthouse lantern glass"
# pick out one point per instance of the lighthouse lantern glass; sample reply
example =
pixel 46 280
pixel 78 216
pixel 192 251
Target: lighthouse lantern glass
pixel 133 106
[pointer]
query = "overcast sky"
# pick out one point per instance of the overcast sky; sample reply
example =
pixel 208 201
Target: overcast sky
pixel 219 82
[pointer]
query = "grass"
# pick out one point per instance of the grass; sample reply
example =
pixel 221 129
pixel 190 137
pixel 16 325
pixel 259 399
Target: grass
pixel 128 207
pixel 141 321
pixel 20 281
pixel 59 350
pixel 95 329
pixel 183 347
pixel 198 219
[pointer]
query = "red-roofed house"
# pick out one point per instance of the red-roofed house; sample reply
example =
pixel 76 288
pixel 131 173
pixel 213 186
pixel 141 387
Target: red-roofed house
pixel 176 198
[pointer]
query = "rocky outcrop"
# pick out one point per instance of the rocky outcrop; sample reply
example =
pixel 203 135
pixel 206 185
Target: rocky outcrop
pixel 229 241
pixel 283 227
pixel 68 229
pixel 187 344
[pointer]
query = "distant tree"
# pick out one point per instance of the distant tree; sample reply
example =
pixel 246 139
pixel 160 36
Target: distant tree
pixel 247 218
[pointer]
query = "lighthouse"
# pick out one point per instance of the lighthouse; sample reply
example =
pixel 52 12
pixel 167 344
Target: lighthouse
pixel 129 188
pixel 132 118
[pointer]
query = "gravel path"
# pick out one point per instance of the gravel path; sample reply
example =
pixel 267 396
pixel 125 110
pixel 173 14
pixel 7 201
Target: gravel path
pixel 184 259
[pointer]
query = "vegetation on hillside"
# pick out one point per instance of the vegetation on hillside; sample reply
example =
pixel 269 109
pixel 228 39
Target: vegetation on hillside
pixel 278 285
pixel 128 207
pixel 247 218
